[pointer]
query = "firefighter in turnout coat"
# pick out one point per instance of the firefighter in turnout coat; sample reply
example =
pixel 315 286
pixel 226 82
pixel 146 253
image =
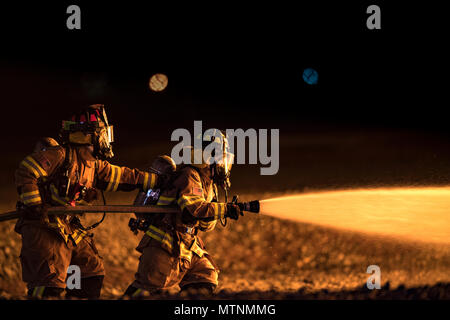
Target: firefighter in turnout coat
pixel 68 174
pixel 172 252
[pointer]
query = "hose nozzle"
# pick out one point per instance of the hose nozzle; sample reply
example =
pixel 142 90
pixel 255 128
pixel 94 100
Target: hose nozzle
pixel 252 206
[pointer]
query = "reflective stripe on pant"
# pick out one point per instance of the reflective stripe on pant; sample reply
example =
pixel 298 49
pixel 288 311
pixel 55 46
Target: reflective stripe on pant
pixel 38 292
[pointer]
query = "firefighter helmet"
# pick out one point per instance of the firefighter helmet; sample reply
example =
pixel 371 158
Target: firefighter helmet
pixel 43 143
pixel 217 157
pixel 163 165
pixel 90 127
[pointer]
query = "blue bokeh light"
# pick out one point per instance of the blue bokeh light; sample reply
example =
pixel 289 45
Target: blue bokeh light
pixel 310 76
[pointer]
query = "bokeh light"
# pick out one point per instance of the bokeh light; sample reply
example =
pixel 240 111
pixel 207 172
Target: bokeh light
pixel 310 76
pixel 158 82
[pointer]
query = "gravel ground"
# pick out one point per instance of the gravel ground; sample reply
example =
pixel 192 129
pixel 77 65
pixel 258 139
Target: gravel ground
pixel 264 257
pixel 271 259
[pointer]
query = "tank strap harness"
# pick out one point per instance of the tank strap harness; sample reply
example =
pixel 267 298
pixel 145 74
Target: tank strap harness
pixel 166 239
pixel 58 189
pixel 83 230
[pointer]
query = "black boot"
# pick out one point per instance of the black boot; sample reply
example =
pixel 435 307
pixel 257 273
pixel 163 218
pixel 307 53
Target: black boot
pixel 90 289
pixel 198 289
pixel 44 292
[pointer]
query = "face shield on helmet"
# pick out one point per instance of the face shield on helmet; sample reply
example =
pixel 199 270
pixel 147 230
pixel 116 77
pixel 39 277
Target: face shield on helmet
pixel 104 134
pixel 223 161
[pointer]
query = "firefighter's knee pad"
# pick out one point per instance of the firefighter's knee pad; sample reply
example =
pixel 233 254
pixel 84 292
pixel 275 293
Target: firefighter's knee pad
pixel 44 292
pixel 204 288
pixel 91 288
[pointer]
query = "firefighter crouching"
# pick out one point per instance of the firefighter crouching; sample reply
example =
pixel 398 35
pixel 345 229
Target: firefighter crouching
pixel 172 252
pixel 68 174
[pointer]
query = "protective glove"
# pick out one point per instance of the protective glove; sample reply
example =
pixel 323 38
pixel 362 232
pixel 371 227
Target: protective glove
pixel 90 195
pixel 233 211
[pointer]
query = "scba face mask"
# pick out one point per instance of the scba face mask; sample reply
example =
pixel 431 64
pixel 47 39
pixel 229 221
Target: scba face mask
pixel 102 146
pixel 223 169
pixel 222 159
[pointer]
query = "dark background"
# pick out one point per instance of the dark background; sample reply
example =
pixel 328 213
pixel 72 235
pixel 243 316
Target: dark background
pixel 237 66
pixel 225 63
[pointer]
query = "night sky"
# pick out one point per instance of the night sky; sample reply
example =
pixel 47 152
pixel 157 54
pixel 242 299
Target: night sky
pixel 228 65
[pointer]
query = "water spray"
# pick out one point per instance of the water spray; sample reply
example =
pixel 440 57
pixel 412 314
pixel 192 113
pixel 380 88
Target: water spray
pixel 419 214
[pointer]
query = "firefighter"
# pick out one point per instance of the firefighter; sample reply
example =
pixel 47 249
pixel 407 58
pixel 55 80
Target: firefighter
pixel 172 253
pixel 68 174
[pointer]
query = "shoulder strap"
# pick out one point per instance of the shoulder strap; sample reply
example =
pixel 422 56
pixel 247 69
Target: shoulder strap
pixel 61 170
pixel 68 158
